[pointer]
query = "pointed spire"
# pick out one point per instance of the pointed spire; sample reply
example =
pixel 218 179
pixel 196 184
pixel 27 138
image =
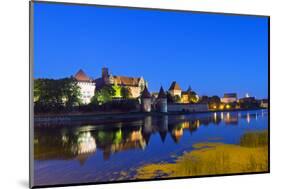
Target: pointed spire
pixel 145 93
pixel 174 86
pixel 162 93
pixel 189 89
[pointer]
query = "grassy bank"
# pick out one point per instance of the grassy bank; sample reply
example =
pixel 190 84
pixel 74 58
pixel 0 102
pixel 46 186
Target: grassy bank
pixel 251 155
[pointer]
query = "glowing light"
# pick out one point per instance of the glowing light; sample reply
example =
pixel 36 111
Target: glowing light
pixel 221 106
pixel 227 106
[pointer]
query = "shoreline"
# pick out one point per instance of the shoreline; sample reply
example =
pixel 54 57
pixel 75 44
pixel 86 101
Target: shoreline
pixel 68 118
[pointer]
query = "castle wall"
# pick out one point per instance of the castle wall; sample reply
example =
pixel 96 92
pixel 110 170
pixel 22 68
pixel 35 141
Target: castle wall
pixel 135 91
pixel 187 107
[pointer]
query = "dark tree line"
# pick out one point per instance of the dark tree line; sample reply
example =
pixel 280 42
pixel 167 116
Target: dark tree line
pixel 52 95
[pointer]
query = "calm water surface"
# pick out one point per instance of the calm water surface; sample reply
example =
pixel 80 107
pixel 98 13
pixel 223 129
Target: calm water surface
pixel 100 152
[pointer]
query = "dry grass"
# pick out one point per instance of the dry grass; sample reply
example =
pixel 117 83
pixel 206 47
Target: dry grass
pixel 213 159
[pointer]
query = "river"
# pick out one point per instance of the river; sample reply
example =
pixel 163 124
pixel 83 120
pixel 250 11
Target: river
pixel 114 151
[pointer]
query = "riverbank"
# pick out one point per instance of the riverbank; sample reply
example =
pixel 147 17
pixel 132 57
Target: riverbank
pixel 214 159
pixel 76 117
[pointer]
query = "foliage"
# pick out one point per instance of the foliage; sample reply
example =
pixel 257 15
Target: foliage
pixel 55 95
pixel 126 92
pixel 193 97
pixel 177 99
pixel 122 104
pixel 103 95
pixel 254 139
pixel 214 101
pixel 173 99
pixel 249 104
pixel 117 89
pixel 204 99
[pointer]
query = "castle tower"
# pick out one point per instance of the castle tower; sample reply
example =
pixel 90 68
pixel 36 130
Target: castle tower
pixel 105 74
pixel 175 89
pixel 145 100
pixel 162 101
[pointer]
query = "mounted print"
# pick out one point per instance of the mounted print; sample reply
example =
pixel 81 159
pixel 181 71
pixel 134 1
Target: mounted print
pixel 122 94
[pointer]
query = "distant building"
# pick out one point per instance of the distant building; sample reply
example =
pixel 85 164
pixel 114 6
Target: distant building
pixel 264 103
pixel 175 89
pixel 145 100
pixel 162 101
pixel 229 98
pixel 248 100
pixel 134 84
pixel 186 96
pixel 87 86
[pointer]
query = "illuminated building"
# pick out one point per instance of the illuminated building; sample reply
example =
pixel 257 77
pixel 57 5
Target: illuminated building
pixel 134 84
pixel 145 100
pixel 175 89
pixel 87 86
pixel 229 98
pixel 189 96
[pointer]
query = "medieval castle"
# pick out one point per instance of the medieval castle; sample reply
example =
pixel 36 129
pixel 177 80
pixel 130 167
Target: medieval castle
pixel 138 89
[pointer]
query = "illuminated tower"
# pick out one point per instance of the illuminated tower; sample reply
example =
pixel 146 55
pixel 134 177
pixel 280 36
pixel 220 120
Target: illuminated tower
pixel 145 100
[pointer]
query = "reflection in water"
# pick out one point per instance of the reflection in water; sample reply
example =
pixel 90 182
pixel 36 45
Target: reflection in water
pixel 248 118
pixel 163 127
pixel 85 140
pixel 86 143
pixel 97 142
pixel 215 117
pixel 231 119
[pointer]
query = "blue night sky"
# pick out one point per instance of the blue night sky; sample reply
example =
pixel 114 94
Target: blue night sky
pixel 213 53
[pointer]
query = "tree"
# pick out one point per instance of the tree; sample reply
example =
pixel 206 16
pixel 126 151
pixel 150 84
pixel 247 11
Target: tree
pixel 54 95
pixel 177 99
pixel 117 90
pixel 173 99
pixel 193 97
pixel 214 102
pixel 103 95
pixel 204 99
pixel 126 92
pixel 71 92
